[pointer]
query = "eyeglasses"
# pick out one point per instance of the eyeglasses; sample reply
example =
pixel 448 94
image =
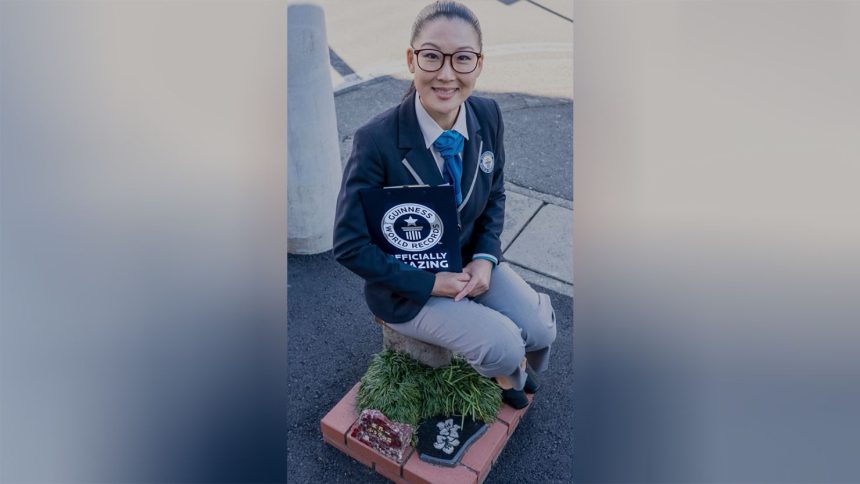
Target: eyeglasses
pixel 432 60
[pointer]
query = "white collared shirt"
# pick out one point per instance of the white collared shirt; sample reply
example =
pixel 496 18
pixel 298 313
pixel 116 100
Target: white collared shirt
pixel 431 130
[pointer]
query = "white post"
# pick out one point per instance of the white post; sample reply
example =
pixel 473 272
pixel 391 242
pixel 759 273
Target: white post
pixel 313 158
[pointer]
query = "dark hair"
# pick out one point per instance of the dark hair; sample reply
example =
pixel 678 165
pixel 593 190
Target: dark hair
pixel 447 9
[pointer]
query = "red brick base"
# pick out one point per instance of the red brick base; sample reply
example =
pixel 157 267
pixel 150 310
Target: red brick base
pixel 473 467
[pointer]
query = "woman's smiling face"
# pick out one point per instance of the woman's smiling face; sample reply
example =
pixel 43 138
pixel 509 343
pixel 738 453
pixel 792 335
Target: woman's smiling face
pixel 442 92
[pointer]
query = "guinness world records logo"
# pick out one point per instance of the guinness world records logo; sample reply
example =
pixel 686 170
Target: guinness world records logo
pixel 412 227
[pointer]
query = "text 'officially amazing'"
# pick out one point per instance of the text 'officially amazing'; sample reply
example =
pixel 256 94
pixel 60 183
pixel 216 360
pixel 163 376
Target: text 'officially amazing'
pixel 425 261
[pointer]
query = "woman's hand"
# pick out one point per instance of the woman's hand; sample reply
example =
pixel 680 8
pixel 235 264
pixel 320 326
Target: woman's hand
pixel 480 271
pixel 449 284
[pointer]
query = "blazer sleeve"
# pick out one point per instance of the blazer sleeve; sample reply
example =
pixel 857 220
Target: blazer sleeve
pixel 489 225
pixel 352 244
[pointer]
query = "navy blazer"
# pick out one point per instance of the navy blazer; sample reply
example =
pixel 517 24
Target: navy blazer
pixel 389 151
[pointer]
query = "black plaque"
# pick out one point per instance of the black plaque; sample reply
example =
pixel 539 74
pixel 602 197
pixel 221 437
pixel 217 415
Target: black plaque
pixel 443 440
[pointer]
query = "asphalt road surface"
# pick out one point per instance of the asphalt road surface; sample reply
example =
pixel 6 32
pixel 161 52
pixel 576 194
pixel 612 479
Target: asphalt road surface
pixel 331 340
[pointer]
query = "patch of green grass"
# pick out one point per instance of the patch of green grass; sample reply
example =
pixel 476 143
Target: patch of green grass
pixel 408 391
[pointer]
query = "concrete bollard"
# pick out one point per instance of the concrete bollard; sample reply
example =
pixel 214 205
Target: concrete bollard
pixel 313 153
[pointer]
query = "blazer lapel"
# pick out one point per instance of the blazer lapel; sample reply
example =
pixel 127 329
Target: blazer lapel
pixel 410 139
pixel 470 154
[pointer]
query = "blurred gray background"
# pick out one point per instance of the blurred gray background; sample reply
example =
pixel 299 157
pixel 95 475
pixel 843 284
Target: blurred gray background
pixel 716 236
pixel 142 244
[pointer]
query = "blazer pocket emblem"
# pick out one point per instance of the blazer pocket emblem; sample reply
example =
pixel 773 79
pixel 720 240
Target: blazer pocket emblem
pixel 487 162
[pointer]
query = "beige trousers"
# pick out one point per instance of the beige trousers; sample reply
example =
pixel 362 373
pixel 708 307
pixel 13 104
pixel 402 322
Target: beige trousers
pixel 493 331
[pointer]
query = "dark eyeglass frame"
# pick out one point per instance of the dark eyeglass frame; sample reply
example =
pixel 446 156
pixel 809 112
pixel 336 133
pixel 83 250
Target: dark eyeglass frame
pixel 444 55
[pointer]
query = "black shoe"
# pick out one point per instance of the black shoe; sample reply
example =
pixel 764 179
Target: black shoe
pixel 515 398
pixel 532 383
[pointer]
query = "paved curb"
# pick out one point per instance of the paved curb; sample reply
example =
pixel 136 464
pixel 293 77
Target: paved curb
pixel 357 83
pixel 543 280
pixel 544 197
